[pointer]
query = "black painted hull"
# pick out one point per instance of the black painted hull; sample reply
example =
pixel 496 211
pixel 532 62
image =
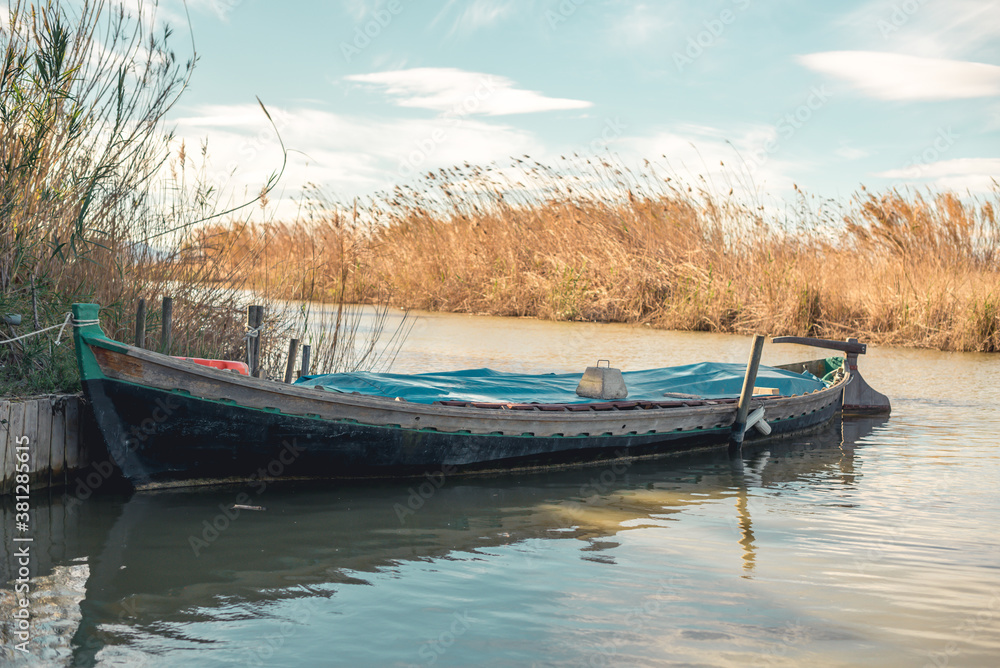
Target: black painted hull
pixel 160 438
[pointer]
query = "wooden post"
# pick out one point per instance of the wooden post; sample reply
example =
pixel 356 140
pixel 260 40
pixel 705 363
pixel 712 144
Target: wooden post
pixel 304 371
pixel 168 314
pixel 293 351
pixel 140 324
pixel 71 445
pixel 43 442
pixel 740 424
pixel 15 429
pixel 251 312
pixel 29 430
pixel 255 317
pixel 258 341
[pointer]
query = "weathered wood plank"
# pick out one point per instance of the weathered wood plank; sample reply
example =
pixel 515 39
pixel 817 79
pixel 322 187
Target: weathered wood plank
pixel 14 433
pixel 31 432
pixel 57 456
pixel 72 442
pixel 44 444
pixel 4 438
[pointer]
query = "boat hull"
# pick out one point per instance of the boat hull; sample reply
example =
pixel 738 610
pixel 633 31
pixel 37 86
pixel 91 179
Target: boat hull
pixel 169 422
pixel 161 438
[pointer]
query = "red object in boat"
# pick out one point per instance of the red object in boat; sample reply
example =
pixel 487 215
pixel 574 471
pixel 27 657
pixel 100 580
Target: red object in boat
pixel 225 365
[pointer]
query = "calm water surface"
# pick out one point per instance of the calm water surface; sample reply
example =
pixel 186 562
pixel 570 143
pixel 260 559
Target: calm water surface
pixel 871 544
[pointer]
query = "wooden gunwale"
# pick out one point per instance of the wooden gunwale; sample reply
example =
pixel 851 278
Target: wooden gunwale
pixel 134 365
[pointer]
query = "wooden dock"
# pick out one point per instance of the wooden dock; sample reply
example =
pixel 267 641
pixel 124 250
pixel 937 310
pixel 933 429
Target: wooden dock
pixel 50 429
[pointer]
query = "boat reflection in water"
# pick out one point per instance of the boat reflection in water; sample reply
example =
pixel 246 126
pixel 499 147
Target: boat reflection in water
pixel 111 567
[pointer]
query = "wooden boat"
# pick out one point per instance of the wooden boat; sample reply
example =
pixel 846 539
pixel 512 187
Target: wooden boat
pixel 170 422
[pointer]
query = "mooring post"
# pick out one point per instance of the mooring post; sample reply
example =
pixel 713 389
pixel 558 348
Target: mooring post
pixel 293 350
pixel 740 425
pixel 168 314
pixel 140 324
pixel 255 315
pixel 251 312
pixel 304 371
pixel 258 325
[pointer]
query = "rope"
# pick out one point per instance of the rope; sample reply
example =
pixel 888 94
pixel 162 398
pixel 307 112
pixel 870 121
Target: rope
pixel 61 328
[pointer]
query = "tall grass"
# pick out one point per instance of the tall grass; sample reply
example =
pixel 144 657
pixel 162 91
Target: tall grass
pixel 93 189
pixel 592 240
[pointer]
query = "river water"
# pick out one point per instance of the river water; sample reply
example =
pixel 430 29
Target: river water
pixel 873 543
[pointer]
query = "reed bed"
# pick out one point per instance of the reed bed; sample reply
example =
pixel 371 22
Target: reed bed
pixel 591 240
pixel 97 198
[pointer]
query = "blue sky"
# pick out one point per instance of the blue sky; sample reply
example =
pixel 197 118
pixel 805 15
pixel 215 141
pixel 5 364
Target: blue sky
pixel 827 96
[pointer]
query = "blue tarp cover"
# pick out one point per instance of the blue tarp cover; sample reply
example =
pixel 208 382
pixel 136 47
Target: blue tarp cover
pixel 708 380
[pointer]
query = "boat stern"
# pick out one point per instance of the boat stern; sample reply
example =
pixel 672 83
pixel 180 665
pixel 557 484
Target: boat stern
pixel 859 397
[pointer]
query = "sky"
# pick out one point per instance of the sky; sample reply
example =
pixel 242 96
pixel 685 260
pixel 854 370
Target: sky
pixel 368 94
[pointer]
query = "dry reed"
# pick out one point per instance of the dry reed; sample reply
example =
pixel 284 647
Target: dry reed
pixel 94 195
pixel 593 241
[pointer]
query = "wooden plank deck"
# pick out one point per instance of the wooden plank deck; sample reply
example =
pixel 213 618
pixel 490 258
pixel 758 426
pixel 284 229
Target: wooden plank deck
pixel 52 427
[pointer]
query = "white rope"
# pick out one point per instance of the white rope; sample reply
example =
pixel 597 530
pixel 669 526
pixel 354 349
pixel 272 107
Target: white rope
pixel 61 328
pixel 40 331
pixel 78 323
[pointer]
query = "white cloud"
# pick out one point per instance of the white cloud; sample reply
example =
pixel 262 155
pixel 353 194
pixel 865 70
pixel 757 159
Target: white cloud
pixel 459 93
pixel 348 155
pixel 957 28
pixel 851 153
pixel 698 154
pixel 890 76
pixel 974 174
pixel 642 23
